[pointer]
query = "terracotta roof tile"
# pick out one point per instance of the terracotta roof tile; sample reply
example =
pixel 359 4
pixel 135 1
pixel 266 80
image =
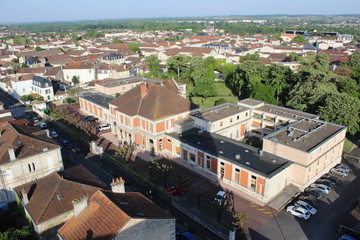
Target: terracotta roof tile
pixel 151 105
pixel 52 195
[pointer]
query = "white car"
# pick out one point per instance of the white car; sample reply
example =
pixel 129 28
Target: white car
pixel 307 206
pixel 104 127
pixel 339 172
pixel 299 212
pixel 322 187
pixel 53 134
pixel 43 125
pixel 220 196
pixel 344 168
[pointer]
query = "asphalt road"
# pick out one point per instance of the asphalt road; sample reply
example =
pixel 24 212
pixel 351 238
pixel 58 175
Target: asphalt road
pixel 324 225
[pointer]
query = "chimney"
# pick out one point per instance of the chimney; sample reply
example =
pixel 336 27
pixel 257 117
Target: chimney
pixel 12 153
pixel 80 204
pixel 25 198
pixel 143 88
pixel 118 185
pixel 47 133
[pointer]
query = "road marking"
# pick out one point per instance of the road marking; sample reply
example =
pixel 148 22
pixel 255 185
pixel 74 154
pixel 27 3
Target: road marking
pixel 261 209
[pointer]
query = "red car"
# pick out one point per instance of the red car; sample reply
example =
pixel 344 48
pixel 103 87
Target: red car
pixel 174 190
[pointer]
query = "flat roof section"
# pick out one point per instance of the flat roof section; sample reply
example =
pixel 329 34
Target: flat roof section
pixel 285 112
pixel 119 82
pixel 250 102
pixel 219 112
pixel 238 153
pixel 99 99
pixel 305 134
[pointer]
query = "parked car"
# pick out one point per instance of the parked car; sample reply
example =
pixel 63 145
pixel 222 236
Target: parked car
pixel 326 182
pixel 104 127
pixel 331 178
pixel 322 187
pixel 91 119
pixel 175 190
pixel 85 118
pixel 53 134
pixel 67 144
pixel 315 192
pixel 343 167
pixel 298 211
pixel 309 199
pixel 184 236
pixel 35 119
pixel 307 206
pixel 220 196
pixel 43 125
pixel 339 172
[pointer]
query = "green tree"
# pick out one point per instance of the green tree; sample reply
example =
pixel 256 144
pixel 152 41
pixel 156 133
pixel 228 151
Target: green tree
pixel 75 80
pixel 15 60
pixel 23 233
pixel 299 38
pixel 135 47
pixel 178 64
pixel 240 220
pixel 38 48
pixel 249 57
pixel 154 65
pixel 342 109
pixel 349 86
pixel 354 60
pixel 203 78
pixel 117 94
pixel 116 40
pixel 124 150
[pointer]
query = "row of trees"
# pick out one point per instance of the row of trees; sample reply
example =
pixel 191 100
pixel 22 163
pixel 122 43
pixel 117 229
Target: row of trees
pixel 314 88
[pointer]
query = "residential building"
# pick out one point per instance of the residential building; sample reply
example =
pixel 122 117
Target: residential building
pixel 43 87
pixel 26 155
pixel 117 215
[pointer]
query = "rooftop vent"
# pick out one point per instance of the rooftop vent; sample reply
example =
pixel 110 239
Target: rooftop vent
pixel 221 152
pixel 246 150
pixel 222 141
pixel 247 163
pixel 273 160
pixel 45 149
pixel 59 197
pixel 198 142
pixel 140 214
pixel 261 152
pixel 124 203
pixel 237 156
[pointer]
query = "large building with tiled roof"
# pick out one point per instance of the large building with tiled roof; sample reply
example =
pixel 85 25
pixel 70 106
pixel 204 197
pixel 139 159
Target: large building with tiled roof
pixel 112 215
pixel 26 154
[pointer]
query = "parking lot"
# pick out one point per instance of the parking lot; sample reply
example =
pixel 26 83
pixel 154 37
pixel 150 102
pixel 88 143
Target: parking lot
pixel 324 224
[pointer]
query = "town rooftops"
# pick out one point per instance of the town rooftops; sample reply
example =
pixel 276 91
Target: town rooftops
pixel 98 98
pixel 79 65
pixel 305 134
pixel 118 82
pixel 219 112
pixel 248 157
pixel 107 213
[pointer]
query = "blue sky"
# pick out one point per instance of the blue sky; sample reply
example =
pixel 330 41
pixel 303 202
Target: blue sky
pixel 66 10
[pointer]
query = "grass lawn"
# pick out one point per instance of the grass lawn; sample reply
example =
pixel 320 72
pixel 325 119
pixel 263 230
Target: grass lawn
pixel 210 102
pixel 348 145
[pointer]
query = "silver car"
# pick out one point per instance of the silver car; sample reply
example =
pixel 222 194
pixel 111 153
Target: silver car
pixel 339 172
pixel 307 206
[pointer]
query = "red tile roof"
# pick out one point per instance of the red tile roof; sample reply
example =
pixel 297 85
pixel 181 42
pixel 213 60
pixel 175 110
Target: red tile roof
pixel 158 102
pixel 107 213
pixel 79 65
pixel 52 196
pixel 24 143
